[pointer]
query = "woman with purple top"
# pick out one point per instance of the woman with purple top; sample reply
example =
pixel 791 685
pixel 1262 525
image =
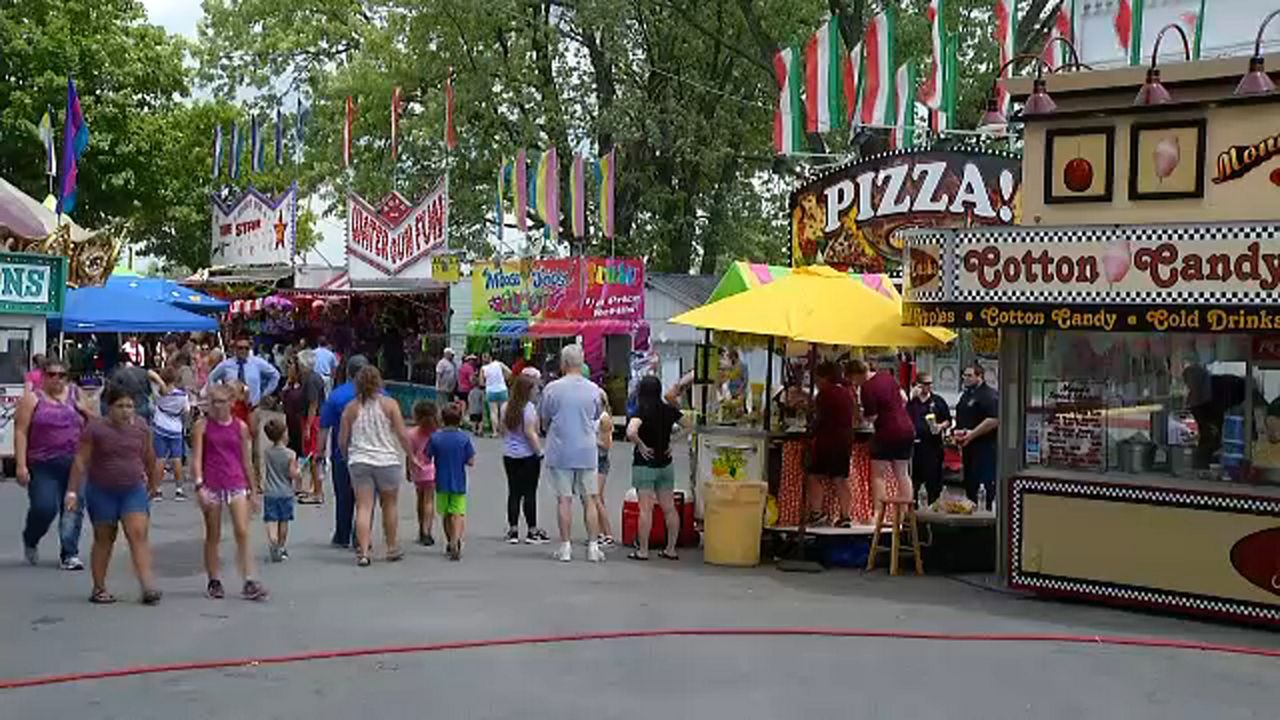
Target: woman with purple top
pixel 221 458
pixel 46 433
pixel 117 455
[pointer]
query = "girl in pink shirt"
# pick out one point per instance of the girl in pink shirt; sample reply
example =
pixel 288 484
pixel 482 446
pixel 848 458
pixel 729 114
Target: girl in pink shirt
pixel 426 418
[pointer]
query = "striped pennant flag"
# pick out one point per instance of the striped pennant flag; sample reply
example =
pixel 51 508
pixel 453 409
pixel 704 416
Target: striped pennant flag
pixel 605 169
pixel 578 197
pixel 255 146
pixel 497 207
pixel 788 117
pixel 549 192
pixel 1193 22
pixel 522 190
pixel 395 123
pixel 1006 19
pixel 904 124
pixel 347 127
pixel 1128 27
pixel 931 90
pixel 237 147
pixel 1061 28
pixel 877 93
pixel 824 61
pixel 217 152
pixel 279 137
pixel 852 84
pixel 46 140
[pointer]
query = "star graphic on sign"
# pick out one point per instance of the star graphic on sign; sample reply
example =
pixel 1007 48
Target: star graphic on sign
pixel 280 226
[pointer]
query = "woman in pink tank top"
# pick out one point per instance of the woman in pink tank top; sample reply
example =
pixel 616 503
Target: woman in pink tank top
pixel 223 465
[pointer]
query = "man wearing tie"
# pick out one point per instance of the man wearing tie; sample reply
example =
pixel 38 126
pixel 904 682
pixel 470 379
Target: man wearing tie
pixel 258 375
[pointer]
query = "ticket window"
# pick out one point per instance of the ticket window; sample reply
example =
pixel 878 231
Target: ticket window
pixel 15 355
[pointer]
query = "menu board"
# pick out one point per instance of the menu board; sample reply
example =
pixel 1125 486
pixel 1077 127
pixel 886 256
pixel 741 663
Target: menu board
pixel 1074 431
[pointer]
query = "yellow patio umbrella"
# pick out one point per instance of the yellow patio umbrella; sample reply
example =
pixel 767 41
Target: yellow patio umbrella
pixel 816 304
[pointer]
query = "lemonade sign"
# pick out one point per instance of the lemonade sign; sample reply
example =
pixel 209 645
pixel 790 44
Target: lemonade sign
pixel 729 463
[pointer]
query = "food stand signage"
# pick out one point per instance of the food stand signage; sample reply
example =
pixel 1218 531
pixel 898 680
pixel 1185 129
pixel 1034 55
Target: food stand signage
pixel 849 218
pixel 32 284
pixel 559 289
pixel 1211 278
pixel 254 229
pixel 394 240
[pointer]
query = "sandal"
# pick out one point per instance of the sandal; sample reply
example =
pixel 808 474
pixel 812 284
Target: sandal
pixel 395 555
pixel 668 556
pixel 363 561
pixel 635 555
pixel 101 597
pixel 151 597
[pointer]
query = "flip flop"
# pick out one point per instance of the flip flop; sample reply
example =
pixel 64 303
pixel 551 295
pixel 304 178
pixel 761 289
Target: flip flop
pixel 667 556
pixel 395 556
pixel 635 555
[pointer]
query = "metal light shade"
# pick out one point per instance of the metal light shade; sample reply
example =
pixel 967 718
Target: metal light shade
pixel 1153 91
pixel 1256 81
pixel 1039 103
pixel 993 120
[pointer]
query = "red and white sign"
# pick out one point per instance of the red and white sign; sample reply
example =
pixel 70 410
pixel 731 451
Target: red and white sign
pixel 396 240
pixel 254 229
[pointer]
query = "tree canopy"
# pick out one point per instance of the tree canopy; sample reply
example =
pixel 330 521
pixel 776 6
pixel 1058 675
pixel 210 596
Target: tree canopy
pixel 682 89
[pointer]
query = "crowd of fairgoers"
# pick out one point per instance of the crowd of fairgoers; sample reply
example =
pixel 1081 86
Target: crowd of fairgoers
pixel 200 416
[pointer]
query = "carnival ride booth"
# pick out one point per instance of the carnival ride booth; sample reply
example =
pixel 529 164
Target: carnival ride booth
pixel 1140 372
pixel 789 316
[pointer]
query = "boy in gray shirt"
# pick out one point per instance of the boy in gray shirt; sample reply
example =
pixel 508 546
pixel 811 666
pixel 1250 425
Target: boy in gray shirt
pixel 281 474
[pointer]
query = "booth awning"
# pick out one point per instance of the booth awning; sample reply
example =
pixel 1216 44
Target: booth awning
pixel 504 328
pixel 742 276
pixel 108 310
pixel 816 304
pixel 167 291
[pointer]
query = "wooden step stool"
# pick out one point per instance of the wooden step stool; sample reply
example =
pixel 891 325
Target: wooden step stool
pixel 901 511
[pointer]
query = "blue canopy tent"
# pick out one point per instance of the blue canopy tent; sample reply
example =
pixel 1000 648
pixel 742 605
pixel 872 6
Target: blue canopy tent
pixel 112 310
pixel 167 291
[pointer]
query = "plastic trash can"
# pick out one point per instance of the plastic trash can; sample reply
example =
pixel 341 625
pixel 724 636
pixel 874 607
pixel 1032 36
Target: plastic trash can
pixel 734 519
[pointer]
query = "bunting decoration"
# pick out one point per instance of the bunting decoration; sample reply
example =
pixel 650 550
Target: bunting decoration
pixel 605 169
pixel 1061 28
pixel 1006 14
pixel 548 185
pixel 904 123
pixel 255 146
pixel 217 152
pixel 395 123
pixel 237 146
pixel 347 124
pixel 877 88
pixel 75 138
pixel 577 198
pixel 46 141
pixel 279 137
pixel 450 133
pixel 824 102
pixel 931 90
pixel 522 191
pixel 788 117
pixel 852 84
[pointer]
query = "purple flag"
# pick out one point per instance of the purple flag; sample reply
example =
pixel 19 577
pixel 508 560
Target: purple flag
pixel 75 137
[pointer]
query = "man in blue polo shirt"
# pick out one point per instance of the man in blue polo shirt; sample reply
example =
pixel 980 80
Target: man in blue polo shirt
pixel 330 419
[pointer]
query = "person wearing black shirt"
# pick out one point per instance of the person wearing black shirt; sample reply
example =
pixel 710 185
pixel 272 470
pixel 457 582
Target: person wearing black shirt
pixel 977 415
pixel 926 460
pixel 650 428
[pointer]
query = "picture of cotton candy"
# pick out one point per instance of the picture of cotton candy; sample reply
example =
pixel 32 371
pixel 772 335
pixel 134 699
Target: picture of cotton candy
pixel 1166 156
pixel 1116 260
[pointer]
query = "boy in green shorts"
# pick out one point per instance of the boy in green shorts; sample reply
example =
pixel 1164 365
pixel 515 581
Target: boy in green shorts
pixel 452 452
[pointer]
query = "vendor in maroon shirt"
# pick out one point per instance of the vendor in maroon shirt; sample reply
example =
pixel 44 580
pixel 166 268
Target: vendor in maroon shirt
pixel 895 435
pixel 832 445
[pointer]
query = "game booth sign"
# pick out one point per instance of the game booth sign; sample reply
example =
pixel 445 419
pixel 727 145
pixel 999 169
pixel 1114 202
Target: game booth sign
pixel 395 242
pixel 254 229
pixel 1139 348
pixel 850 218
pixel 598 299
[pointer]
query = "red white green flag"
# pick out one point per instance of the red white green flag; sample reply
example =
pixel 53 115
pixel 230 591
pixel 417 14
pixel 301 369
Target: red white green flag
pixel 823 59
pixel 877 88
pixel 788 117
pixel 1128 26
pixel 904 123
pixel 852 84
pixel 931 90
pixel 1006 19
pixel 1061 28
pixel 1193 22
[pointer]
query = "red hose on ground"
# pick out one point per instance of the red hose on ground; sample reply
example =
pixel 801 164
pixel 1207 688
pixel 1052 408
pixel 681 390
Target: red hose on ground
pixel 11 684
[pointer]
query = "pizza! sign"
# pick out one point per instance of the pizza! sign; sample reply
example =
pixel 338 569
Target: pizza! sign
pixel 254 229
pixel 849 219
pixel 396 239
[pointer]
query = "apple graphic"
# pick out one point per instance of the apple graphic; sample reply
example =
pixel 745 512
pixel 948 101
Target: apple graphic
pixel 1077 174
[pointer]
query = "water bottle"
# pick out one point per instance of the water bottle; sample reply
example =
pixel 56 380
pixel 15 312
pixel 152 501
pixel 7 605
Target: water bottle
pixel 982 497
pixel 922 498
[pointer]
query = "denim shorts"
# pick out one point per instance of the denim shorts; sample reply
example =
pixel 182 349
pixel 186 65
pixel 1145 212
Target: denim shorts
pixel 277 509
pixel 602 461
pixel 653 479
pixel 499 396
pixel 108 505
pixel 168 447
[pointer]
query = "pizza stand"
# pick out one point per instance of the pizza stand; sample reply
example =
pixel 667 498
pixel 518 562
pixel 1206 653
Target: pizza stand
pixel 1139 341
pixel 794 311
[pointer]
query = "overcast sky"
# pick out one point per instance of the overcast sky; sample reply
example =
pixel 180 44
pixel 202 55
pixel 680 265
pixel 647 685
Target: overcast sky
pixel 178 16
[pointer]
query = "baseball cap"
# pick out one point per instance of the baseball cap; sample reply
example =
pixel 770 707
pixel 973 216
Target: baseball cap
pixel 355 364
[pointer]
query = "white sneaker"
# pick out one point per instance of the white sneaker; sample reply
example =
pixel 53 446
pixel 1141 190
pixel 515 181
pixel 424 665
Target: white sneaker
pixel 594 553
pixel 565 553
pixel 72 563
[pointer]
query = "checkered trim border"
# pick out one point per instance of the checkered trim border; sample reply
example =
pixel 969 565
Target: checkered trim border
pixel 1134 594
pixel 946 243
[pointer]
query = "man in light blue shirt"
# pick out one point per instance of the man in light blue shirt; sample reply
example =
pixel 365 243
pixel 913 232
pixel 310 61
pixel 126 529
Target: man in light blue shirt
pixel 570 411
pixel 326 362
pixel 257 374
